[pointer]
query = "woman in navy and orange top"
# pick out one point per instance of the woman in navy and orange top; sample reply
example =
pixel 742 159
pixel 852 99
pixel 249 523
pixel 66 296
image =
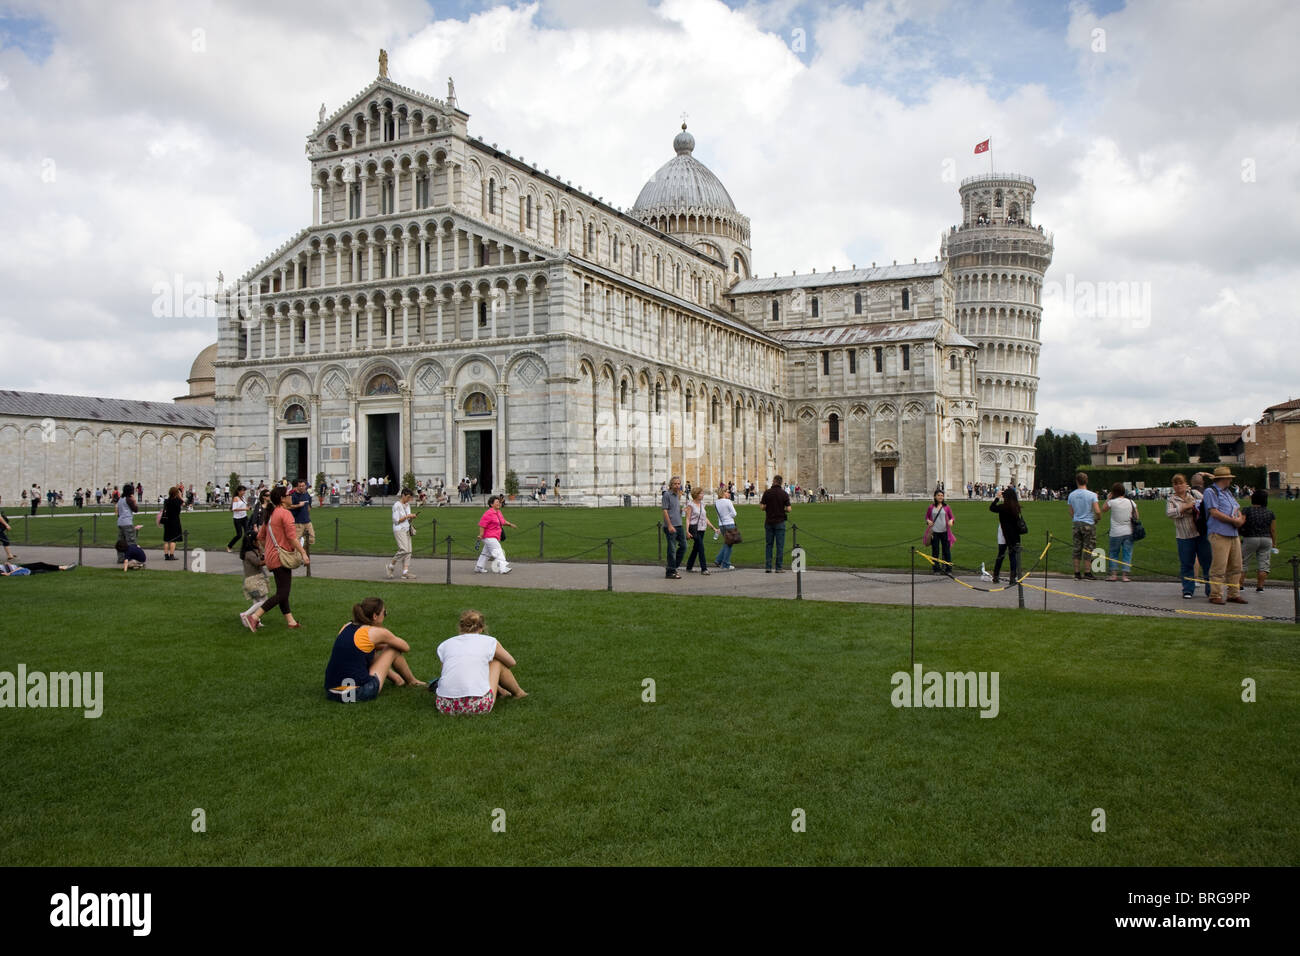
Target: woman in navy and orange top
pixel 365 654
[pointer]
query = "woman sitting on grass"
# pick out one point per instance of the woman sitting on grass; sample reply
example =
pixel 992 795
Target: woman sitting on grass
pixel 365 654
pixel 475 669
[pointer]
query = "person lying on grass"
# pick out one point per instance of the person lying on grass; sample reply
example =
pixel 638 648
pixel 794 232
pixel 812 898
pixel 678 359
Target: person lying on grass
pixel 32 567
pixel 475 670
pixel 365 655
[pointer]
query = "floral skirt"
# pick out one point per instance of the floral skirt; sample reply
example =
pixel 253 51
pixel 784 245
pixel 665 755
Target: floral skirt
pixel 466 705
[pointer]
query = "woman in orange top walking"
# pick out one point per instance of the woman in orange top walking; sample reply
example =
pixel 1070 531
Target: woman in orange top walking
pixel 277 532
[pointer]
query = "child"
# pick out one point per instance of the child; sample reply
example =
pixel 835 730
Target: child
pixel 256 587
pixel 132 555
pixel 475 670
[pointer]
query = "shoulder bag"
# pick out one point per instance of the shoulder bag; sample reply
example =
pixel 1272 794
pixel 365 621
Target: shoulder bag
pixel 1139 532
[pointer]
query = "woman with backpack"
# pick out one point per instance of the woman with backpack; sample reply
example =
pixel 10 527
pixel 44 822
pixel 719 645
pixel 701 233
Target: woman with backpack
pixel 1007 507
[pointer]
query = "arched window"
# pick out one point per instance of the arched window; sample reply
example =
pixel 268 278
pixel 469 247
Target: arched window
pixel 482 313
pixel 776 310
pixel 997 199
pixel 659 397
pixel 735 264
pixel 591 237
pixel 713 412
pixel 857 303
pixel 477 404
pixel 816 307
pixel 528 212
pixel 295 415
pixel 381 384
pixel 907 299
pixel 492 196
pixel 622 392
pixel 952 362
pixel 834 429
pixel 677 275
pixel 690 402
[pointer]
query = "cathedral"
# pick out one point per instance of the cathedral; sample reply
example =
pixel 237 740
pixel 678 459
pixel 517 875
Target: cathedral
pixel 453 310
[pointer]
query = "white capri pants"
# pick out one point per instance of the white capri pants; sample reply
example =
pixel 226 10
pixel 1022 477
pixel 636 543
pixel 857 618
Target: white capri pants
pixel 492 552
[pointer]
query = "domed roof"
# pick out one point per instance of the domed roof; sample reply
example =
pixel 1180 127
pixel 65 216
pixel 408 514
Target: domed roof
pixel 202 367
pixel 684 182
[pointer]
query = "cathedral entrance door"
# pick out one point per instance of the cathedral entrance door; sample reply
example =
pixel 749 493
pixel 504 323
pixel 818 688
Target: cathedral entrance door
pixel 383 445
pixel 478 458
pixel 887 479
pixel 295 459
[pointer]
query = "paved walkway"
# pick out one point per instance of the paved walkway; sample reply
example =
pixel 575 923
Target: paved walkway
pixel 871 587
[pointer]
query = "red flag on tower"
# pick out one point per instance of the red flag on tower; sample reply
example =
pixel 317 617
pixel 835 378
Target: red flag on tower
pixel 982 147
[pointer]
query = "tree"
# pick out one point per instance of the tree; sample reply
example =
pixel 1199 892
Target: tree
pixel 1045 466
pixel 1058 457
pixel 408 480
pixel 1170 457
pixel 1179 448
pixel 1178 423
pixel 1209 450
pixel 1142 454
pixel 234 481
pixel 512 483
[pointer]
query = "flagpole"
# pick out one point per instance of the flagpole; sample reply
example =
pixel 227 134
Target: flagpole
pixel 990 155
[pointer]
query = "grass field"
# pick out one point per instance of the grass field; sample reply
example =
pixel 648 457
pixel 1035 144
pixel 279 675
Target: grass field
pixel 875 534
pixel 761 707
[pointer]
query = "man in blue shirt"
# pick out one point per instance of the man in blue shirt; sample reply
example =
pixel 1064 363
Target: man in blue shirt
pixel 300 504
pixel 1084 512
pixel 673 530
pixel 1223 518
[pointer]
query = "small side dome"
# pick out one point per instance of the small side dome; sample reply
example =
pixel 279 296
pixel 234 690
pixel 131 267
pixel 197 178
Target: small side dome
pixel 684 142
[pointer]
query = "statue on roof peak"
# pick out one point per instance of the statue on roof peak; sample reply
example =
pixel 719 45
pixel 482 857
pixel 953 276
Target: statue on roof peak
pixel 383 63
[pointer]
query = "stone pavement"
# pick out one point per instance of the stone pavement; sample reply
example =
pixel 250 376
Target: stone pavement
pixel 1150 598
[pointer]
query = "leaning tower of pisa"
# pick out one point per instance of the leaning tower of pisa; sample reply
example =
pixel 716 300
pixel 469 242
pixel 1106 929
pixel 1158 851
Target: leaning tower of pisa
pixel 998 258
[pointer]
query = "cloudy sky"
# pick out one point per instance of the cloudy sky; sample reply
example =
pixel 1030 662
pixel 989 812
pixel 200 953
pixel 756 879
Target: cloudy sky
pixel 154 143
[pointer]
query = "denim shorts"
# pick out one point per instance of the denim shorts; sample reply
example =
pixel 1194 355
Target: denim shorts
pixel 367 690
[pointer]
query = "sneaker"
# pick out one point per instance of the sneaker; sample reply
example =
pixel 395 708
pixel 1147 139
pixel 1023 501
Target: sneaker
pixel 1089 576
pixel 74 564
pixel 507 570
pixel 407 577
pixel 480 571
pixel 1187 597
pixel 731 567
pixel 1078 576
pixel 704 570
pixel 1257 590
pixel 389 571
pixel 780 570
pixel 767 570
pixel 248 620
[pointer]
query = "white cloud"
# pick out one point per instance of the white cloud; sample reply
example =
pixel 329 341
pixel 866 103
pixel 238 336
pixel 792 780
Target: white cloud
pixel 175 160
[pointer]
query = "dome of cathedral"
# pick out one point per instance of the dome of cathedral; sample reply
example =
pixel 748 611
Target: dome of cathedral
pixel 683 183
pixel 202 368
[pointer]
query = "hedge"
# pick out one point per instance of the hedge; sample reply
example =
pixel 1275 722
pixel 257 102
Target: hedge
pixel 1161 476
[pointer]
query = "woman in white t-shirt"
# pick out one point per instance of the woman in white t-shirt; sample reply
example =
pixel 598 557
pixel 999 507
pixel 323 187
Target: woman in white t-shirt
pixel 475 670
pixel 1122 512
pixel 239 514
pixel 726 509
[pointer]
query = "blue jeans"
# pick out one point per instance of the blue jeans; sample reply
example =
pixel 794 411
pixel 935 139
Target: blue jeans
pixel 1187 554
pixel 1205 558
pixel 724 553
pixel 1121 549
pixel 676 549
pixel 774 533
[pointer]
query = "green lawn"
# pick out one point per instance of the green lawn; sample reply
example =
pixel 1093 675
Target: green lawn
pixel 762 707
pixel 875 534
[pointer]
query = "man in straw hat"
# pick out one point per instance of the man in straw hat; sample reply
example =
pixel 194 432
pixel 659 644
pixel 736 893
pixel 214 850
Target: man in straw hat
pixel 1224 518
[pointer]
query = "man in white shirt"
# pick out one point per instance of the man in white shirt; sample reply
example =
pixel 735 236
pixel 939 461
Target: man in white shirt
pixel 403 517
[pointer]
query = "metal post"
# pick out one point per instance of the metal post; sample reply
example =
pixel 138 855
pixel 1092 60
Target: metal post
pixel 913 558
pixel 336 535
pixel 185 546
pixel 26 534
pixel 434 542
pixel 798 585
pixel 94 528
pixel 794 536
pixel 1047 552
pixel 1020 592
pixel 609 564
pixel 660 538
pixel 80 534
pixel 1295 584
pixel 449 559
pixel 541 539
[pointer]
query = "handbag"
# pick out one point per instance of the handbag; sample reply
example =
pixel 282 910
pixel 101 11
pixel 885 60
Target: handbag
pixel 731 536
pixel 1021 527
pixel 1139 532
pixel 288 559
